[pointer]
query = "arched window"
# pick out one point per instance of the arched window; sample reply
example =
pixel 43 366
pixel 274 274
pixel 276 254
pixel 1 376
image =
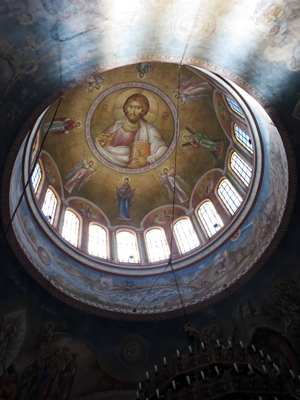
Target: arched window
pixel 242 169
pixel 70 230
pixel 157 246
pixel 49 206
pixel 97 241
pixel 210 219
pixel 233 105
pixel 243 138
pixel 127 247
pixel 229 196
pixel 185 235
pixel 36 177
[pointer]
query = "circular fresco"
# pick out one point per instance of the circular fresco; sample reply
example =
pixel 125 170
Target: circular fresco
pixel 132 127
pixel 132 350
pixel 193 27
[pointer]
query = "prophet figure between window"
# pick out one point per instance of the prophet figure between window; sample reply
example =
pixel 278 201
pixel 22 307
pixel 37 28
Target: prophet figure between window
pixel 132 142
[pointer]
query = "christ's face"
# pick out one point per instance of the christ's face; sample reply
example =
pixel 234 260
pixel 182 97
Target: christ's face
pixel 134 111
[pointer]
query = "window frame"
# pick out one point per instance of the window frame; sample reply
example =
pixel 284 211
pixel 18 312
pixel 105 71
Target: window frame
pixel 203 225
pixel 147 246
pixel 107 241
pixel 54 218
pixel 136 245
pixel 240 142
pixel 237 173
pixel 39 191
pixel 177 240
pixel 79 236
pixel 221 199
pixel 232 109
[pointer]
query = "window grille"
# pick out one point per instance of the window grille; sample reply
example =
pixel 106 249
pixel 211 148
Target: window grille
pixel 126 247
pixel 97 241
pixel 229 196
pixel 243 138
pixel 157 246
pixel 70 230
pixel 36 177
pixel 49 206
pixel 210 219
pixel 243 171
pixel 233 105
pixel 185 235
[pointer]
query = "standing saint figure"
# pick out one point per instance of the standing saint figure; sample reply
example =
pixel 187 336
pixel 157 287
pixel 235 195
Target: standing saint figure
pixel 170 181
pixel 125 198
pixel 132 142
pixel 82 172
pixel 61 126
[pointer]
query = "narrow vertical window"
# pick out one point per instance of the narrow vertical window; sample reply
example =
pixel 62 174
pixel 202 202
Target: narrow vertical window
pixel 210 219
pixel 127 247
pixel 233 105
pixel 243 138
pixel 36 177
pixel 49 206
pixel 97 241
pixel 242 169
pixel 157 246
pixel 70 230
pixel 185 235
pixel 229 196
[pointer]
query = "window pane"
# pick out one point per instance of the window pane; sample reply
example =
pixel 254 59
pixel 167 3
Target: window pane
pixel 49 206
pixel 36 177
pixel 71 228
pixel 126 246
pixel 97 241
pixel 234 106
pixel 243 138
pixel 157 246
pixel 242 169
pixel 185 235
pixel 210 218
pixel 229 196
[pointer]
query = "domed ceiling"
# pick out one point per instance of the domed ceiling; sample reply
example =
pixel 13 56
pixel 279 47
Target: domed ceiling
pixel 165 133
pixel 97 107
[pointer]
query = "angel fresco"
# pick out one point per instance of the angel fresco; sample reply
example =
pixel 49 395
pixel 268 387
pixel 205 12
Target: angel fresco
pixel 170 181
pixel 82 173
pixel 189 91
pixel 199 139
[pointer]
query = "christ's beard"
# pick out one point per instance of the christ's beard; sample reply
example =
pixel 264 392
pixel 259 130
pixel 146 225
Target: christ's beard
pixel 133 118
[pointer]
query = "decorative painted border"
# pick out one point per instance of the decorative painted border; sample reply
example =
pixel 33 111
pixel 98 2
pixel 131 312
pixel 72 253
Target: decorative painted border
pixel 189 61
